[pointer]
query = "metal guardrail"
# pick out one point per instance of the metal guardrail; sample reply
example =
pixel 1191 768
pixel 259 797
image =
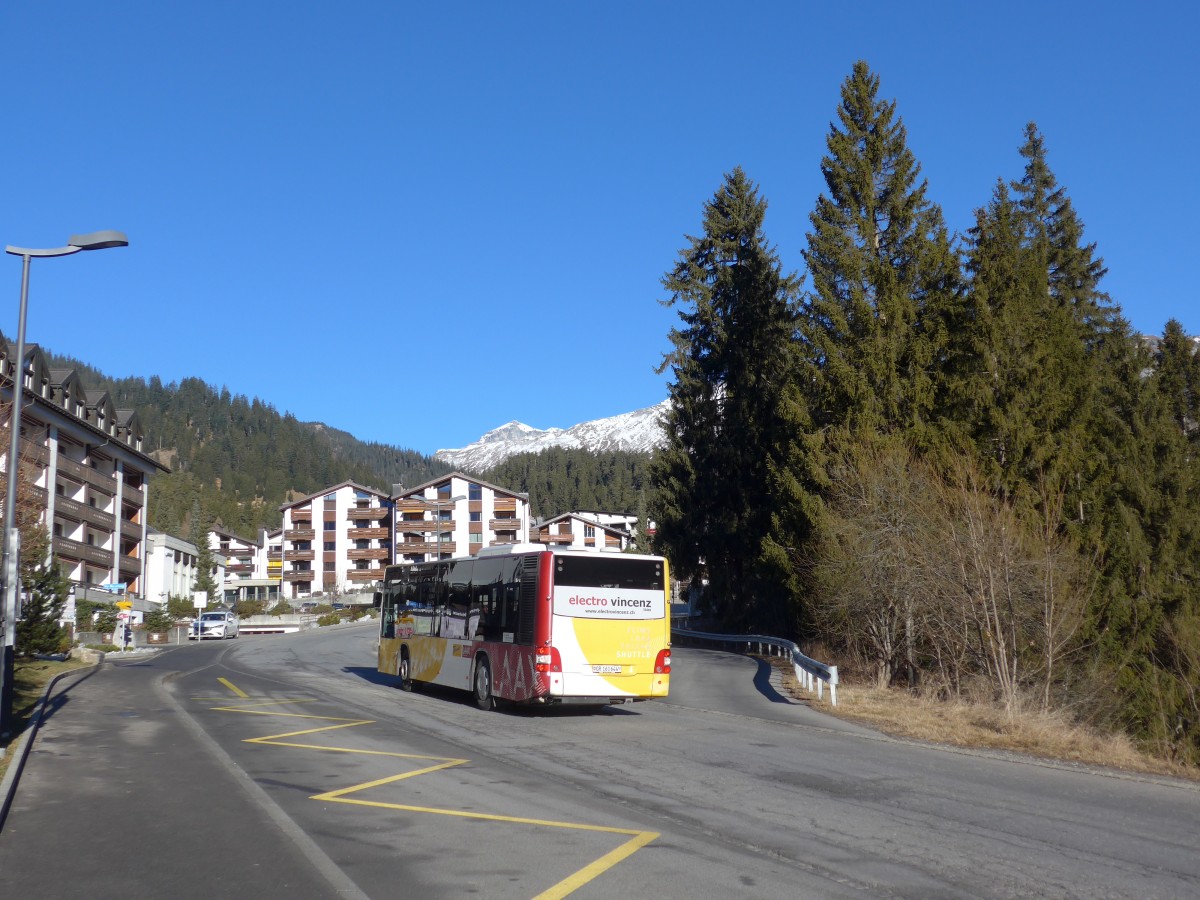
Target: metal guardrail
pixel 809 672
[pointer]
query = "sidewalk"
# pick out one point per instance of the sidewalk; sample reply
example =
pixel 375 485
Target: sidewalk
pixel 119 797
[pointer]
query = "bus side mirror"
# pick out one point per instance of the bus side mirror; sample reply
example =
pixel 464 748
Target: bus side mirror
pixel 377 599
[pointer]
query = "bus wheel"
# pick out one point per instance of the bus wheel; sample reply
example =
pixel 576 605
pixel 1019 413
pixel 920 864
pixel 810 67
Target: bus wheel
pixel 405 671
pixel 483 685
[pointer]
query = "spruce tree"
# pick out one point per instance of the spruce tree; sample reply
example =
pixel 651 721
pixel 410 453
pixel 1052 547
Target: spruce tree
pixel 735 413
pixel 205 565
pixel 884 275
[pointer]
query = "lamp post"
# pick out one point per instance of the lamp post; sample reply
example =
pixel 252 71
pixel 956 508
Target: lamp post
pixel 437 518
pixel 97 240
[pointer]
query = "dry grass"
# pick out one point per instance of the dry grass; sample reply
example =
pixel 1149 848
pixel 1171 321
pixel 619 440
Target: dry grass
pixel 978 725
pixel 30 677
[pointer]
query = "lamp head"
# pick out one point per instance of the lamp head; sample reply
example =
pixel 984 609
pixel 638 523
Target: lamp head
pixel 98 240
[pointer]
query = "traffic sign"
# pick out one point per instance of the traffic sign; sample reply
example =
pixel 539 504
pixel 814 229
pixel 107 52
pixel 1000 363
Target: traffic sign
pixel 124 604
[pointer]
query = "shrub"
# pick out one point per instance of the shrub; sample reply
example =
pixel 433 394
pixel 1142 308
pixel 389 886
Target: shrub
pixel 158 620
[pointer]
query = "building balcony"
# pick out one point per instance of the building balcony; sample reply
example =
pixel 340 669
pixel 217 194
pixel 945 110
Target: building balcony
pixel 131 529
pixel 504 524
pixel 239 568
pixel 301 515
pixel 365 574
pixel 300 534
pixel 368 534
pixel 300 555
pixel 424 547
pixel 306 575
pixel 70 549
pixel 411 504
pixel 552 538
pixel 425 526
pixel 131 565
pixel 82 512
pixel 368 553
pixel 501 504
pixel 80 472
pixel 372 513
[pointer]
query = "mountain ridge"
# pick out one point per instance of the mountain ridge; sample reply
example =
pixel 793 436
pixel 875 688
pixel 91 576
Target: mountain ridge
pixel 639 431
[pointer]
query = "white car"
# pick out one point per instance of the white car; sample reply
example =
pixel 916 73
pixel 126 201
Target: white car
pixel 214 625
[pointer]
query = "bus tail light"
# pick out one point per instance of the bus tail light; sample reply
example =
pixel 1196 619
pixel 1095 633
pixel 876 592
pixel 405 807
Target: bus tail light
pixel 662 663
pixel 547 660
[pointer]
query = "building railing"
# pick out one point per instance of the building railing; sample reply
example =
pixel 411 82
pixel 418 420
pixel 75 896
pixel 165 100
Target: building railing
pixel 365 574
pixel 552 538
pixel 368 553
pixel 131 529
pixel 425 547
pixel 301 515
pixel 80 472
pixel 79 550
pixel 300 534
pixel 370 512
pixel 82 512
pixel 513 524
pixel 367 534
pixel 300 555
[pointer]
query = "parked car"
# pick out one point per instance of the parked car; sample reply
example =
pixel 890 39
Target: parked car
pixel 214 625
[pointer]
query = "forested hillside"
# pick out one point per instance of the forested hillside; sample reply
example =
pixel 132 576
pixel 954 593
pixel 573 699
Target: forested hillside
pixel 560 480
pixel 235 459
pixel 950 460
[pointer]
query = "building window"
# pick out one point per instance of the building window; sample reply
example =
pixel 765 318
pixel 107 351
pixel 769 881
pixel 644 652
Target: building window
pixel 476 538
pixel 475 492
pixel 476 516
pixel 589 531
pixel 331 545
pixel 331 526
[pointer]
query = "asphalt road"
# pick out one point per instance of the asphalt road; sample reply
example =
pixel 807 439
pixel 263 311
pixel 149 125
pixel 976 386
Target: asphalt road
pixel 295 762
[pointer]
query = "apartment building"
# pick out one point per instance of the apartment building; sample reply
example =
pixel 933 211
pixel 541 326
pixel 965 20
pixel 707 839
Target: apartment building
pixel 172 567
pixel 243 559
pixel 86 469
pixel 336 540
pixel 456 515
pixel 252 567
pixel 576 531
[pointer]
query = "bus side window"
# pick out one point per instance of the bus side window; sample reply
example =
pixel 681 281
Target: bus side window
pixel 483 618
pixel 422 608
pixel 458 600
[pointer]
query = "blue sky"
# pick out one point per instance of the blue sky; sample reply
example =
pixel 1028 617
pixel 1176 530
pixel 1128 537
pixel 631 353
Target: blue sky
pixel 417 222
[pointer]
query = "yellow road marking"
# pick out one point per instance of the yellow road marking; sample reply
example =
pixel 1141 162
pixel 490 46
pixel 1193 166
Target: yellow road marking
pixel 573 882
pixel 567 886
pixel 237 690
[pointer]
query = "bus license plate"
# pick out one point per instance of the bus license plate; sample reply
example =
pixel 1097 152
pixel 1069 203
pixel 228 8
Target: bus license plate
pixel 606 670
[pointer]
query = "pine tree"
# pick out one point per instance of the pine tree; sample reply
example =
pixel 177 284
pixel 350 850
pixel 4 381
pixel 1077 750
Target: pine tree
pixel 734 415
pixel 884 275
pixel 45 589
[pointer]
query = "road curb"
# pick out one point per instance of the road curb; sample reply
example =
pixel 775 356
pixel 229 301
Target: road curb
pixel 24 742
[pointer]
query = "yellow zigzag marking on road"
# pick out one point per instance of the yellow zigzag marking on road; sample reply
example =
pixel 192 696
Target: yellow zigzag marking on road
pixel 568 885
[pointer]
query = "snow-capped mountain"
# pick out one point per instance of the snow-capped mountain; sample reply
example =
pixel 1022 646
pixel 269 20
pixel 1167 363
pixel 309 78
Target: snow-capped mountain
pixel 637 431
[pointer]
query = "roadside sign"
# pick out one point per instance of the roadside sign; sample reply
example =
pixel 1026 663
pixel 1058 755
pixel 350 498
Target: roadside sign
pixel 199 599
pixel 124 604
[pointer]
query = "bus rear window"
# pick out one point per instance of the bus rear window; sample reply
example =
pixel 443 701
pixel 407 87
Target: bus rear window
pixel 608 572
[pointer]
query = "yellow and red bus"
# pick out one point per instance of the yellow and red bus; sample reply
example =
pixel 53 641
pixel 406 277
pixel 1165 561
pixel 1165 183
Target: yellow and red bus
pixel 527 624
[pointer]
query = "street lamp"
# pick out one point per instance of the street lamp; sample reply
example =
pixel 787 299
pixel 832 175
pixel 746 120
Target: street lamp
pixel 97 240
pixel 437 501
